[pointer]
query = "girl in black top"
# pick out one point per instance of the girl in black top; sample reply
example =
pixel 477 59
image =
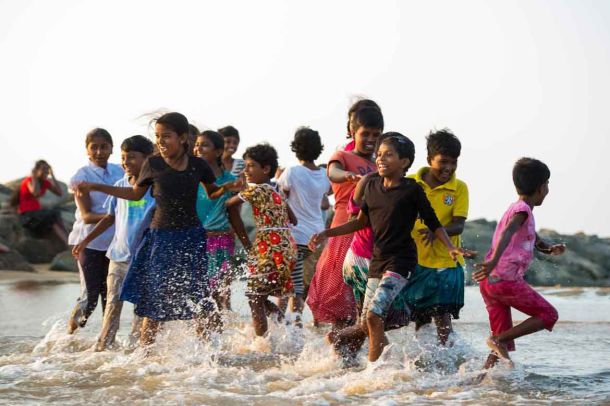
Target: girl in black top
pixel 391 204
pixel 167 279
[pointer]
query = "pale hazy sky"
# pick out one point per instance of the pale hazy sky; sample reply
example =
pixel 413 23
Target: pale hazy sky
pixel 510 78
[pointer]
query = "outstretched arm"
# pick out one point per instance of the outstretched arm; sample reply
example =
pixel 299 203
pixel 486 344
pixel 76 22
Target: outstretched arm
pixel 128 193
pixel 456 227
pixel 550 249
pixel 350 227
pixel 337 174
pixel 485 268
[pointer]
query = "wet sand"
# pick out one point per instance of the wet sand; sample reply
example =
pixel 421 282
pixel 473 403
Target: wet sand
pixel 41 275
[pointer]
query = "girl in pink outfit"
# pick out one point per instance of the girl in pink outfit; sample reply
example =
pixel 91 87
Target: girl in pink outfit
pixel 512 250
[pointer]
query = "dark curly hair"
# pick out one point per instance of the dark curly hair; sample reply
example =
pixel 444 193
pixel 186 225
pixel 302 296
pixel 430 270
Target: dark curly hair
pixel 529 174
pixel 370 117
pixel 403 146
pixel 265 155
pixel 357 106
pixel 138 143
pixel 229 131
pixel 307 144
pixel 443 142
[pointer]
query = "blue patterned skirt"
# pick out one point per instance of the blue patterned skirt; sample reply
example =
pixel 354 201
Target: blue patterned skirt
pixel 167 279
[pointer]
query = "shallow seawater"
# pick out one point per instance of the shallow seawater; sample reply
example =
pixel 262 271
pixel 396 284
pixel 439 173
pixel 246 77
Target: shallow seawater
pixel 39 363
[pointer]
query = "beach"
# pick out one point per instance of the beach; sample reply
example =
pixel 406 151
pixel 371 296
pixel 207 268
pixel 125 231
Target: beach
pixel 40 363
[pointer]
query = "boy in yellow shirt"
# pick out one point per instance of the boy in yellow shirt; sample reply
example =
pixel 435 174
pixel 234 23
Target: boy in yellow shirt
pixel 436 288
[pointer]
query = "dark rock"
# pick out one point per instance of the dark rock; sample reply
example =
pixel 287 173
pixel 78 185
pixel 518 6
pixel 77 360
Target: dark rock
pixel 39 250
pixel 13 261
pixel 64 261
pixel 586 261
pixel 10 228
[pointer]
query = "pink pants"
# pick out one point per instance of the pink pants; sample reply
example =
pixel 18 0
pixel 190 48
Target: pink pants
pixel 500 296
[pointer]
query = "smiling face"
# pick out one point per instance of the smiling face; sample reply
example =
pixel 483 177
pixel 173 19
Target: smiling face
pixel 169 143
pixel 132 161
pixel 231 144
pixel 204 148
pixel 99 150
pixel 389 163
pixel 366 138
pixel 255 173
pixel 442 167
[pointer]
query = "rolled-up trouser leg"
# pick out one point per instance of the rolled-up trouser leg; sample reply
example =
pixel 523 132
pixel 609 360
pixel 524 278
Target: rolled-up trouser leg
pixel 112 314
pixel 93 270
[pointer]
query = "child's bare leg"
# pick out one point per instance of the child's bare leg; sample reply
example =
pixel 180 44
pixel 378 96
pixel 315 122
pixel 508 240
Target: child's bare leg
pixel 271 308
pixel 492 360
pixel 283 304
pixel 337 326
pixel 443 327
pixel 377 338
pixel 529 326
pixel 259 314
pixel 349 340
pixel 149 331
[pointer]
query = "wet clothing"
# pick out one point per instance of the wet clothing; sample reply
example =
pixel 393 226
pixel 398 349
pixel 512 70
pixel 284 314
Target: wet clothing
pixel 329 298
pixel 392 213
pixel 500 296
pixel 273 255
pixel 168 279
pixel 92 271
pixel 175 191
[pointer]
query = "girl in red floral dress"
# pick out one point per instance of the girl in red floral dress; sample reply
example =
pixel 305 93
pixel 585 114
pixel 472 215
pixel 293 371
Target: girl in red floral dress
pixel 273 255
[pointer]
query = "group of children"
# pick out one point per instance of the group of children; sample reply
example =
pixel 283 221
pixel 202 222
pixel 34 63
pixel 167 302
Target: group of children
pixel 161 234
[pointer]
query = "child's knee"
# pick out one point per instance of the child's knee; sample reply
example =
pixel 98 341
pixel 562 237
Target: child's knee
pixel 373 319
pixel 550 317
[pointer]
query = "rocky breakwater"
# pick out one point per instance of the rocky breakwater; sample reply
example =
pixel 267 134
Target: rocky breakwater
pixel 26 248
pixel 585 263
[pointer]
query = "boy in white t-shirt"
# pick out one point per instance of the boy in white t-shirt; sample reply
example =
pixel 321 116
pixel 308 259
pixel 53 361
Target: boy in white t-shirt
pixel 305 186
pixel 130 219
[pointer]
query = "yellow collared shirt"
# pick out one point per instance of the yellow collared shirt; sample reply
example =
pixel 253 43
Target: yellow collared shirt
pixel 448 200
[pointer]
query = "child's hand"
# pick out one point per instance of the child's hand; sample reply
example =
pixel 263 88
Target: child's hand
pixel 78 248
pixel 483 270
pixel 456 252
pixel 352 177
pixel 557 249
pixel 236 186
pixel 316 240
pixel 428 236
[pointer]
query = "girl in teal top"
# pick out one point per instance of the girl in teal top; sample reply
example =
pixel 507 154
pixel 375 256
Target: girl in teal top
pixel 220 223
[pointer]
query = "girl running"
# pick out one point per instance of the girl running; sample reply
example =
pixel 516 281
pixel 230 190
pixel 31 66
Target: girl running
pixel 167 279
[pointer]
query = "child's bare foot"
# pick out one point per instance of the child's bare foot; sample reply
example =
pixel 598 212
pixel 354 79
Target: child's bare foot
pixel 331 337
pixel 500 349
pixel 72 325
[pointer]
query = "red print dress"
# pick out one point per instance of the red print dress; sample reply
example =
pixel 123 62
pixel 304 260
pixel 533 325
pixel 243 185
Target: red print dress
pixel 273 256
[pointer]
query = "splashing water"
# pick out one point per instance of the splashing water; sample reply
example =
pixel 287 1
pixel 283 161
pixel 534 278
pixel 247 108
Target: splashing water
pixel 295 366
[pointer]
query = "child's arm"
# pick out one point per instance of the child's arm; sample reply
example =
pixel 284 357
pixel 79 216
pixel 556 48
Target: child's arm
pixel 83 202
pixel 454 252
pixel 238 226
pixel 350 227
pixel 233 201
pixel 291 216
pixel 337 174
pixel 104 224
pixel 456 227
pixel 359 191
pixel 128 193
pixel 550 249
pixel 53 184
pixel 485 268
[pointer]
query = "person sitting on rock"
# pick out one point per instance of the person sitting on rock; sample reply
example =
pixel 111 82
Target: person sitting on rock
pixel 40 221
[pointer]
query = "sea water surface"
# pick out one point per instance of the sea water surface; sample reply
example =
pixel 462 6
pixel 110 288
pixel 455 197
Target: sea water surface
pixel 40 363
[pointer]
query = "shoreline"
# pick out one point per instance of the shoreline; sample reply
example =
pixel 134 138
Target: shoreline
pixel 41 274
